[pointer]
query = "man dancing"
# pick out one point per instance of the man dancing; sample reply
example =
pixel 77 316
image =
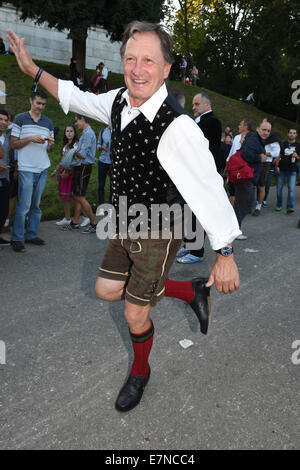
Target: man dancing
pixel 155 159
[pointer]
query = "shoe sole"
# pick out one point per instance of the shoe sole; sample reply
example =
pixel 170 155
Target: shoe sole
pixel 188 262
pixel 203 326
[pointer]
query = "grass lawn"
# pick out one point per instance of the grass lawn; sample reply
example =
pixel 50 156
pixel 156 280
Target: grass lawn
pixel 18 88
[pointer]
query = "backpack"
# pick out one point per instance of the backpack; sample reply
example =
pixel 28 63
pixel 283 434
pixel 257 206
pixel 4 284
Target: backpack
pixel 238 169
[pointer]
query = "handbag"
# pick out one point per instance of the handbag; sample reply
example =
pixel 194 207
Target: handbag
pixel 69 160
pixel 238 169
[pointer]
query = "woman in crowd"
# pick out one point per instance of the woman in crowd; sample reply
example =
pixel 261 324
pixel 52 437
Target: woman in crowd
pixel 70 140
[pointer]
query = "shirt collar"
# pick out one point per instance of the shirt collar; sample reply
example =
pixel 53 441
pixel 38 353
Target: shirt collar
pixel 151 106
pixel 206 112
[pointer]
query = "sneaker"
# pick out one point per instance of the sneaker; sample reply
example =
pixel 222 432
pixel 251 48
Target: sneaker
pixel 189 259
pixel 64 221
pixel 85 221
pixel 278 209
pixel 90 229
pixel 6 223
pixel 73 226
pixel 18 246
pixel 241 237
pixel 290 210
pixel 36 241
pixel 264 204
pixel 256 212
pixel 182 252
pixel 4 242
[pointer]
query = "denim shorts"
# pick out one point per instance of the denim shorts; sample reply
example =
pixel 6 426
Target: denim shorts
pixel 142 264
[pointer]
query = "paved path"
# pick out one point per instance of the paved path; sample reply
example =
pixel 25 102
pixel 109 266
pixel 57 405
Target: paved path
pixel 67 352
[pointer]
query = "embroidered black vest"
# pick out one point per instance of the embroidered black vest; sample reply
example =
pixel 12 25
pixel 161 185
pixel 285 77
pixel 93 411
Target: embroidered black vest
pixel 136 171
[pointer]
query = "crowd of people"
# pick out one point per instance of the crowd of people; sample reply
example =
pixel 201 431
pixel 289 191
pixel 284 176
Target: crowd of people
pixel 157 155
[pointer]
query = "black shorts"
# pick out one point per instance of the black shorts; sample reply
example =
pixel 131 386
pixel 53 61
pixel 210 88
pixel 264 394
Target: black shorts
pixel 264 174
pixel 81 178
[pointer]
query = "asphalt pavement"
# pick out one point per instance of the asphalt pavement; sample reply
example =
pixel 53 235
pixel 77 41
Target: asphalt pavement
pixel 67 353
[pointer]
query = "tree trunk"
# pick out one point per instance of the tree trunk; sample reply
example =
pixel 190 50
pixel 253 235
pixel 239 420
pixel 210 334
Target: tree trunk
pixel 79 53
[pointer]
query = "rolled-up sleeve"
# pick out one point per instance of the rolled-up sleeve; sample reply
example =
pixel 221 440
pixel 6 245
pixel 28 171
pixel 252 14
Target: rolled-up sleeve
pixel 97 107
pixel 184 153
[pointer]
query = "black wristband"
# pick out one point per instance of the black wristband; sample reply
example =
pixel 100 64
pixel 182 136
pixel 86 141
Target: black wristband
pixel 36 80
pixel 38 75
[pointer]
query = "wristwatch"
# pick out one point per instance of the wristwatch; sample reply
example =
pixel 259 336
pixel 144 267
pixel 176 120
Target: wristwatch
pixel 225 251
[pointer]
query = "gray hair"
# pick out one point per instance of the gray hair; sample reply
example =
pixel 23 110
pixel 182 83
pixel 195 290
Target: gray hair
pixel 248 123
pixel 145 27
pixel 206 97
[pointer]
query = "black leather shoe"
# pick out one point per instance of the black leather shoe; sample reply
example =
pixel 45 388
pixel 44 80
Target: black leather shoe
pixel 35 241
pixel 131 392
pixel 201 302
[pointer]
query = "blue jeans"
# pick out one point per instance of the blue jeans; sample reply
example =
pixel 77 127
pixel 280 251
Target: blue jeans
pixel 291 177
pixel 31 187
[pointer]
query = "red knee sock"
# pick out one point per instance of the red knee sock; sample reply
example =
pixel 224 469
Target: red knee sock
pixel 142 345
pixel 180 290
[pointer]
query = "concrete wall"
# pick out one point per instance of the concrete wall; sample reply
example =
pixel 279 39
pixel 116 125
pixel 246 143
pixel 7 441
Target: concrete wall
pixel 48 44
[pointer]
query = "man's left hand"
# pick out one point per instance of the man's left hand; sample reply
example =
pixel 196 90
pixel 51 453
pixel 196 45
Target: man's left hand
pixel 224 274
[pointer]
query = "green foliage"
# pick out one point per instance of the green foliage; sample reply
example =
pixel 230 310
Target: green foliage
pixel 78 16
pixel 240 46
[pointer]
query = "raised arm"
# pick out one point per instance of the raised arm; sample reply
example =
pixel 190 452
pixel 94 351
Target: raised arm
pixel 27 65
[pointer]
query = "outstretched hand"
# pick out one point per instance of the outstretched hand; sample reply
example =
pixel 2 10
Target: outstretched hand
pixel 225 275
pixel 27 65
pixel 24 60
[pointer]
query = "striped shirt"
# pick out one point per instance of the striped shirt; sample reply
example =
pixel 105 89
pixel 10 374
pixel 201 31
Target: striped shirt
pixel 33 157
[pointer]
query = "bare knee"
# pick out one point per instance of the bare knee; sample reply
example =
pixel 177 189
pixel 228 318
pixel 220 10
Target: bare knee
pixel 137 317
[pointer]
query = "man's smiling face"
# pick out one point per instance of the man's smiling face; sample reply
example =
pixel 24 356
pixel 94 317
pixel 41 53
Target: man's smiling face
pixel 145 68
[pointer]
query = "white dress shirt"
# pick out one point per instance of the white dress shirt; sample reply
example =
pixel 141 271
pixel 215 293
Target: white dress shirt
pixel 183 152
pixel 236 145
